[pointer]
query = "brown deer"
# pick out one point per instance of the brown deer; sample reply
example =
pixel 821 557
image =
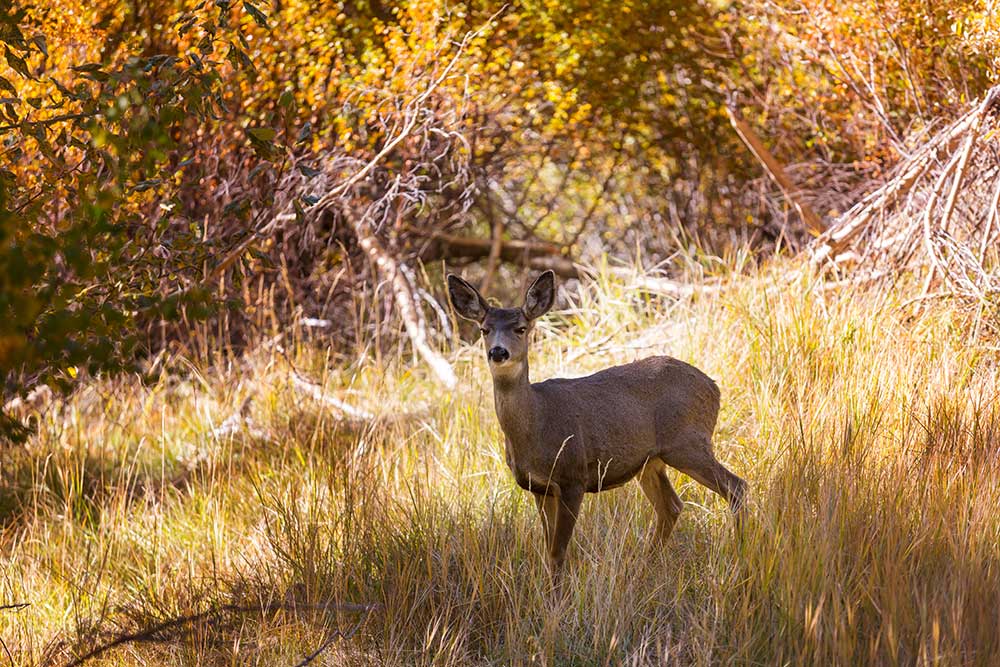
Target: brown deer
pixel 567 437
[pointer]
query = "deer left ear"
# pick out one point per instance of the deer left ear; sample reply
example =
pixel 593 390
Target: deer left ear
pixel 540 296
pixel 468 302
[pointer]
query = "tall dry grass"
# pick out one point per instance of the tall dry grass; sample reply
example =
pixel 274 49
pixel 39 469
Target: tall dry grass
pixel 866 429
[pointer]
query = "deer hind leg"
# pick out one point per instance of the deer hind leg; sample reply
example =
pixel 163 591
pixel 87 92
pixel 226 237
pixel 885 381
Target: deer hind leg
pixel 657 488
pixel 697 461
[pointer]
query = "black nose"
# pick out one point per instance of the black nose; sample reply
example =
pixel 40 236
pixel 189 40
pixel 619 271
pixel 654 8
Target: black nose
pixel 498 354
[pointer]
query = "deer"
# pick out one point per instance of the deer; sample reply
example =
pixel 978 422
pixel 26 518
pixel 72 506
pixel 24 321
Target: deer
pixel 565 437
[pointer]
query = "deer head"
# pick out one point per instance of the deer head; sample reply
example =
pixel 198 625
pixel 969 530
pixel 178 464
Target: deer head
pixel 505 330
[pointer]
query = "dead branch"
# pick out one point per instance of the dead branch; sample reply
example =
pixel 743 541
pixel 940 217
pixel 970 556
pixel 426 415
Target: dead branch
pixel 928 209
pixel 316 392
pixel 963 162
pixel 852 224
pixel 409 310
pixel 443 245
pixel 493 259
pixel 774 169
pixel 239 421
pixel 157 632
pixel 667 287
pixel 334 637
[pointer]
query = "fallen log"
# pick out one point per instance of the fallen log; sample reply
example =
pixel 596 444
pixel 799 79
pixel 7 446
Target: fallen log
pixel 531 254
pixel 547 256
pixel 441 245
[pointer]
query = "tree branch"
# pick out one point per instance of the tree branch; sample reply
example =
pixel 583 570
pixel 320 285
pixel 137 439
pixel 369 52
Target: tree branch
pixel 776 172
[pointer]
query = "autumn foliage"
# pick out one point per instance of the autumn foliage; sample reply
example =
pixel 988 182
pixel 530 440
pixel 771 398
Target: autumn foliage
pixel 168 160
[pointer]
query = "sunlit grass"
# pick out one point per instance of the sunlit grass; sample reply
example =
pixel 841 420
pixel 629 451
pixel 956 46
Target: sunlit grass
pixel 867 431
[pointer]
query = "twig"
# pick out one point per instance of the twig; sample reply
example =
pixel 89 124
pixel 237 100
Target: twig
pixel 410 121
pixel 48 121
pixel 928 212
pixel 336 635
pixel 151 633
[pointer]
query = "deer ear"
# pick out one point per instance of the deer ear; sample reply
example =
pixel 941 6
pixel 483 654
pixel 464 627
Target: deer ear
pixel 540 296
pixel 466 299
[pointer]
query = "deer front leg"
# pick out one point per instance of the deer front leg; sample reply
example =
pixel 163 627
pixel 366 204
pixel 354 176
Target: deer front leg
pixel 568 508
pixel 548 510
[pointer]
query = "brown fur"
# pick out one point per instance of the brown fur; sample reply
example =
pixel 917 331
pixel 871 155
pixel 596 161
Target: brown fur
pixel 567 437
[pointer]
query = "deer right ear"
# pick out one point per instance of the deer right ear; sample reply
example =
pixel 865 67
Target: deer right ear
pixel 540 296
pixel 466 299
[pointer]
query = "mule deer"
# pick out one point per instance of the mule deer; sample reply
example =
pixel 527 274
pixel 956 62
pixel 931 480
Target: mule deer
pixel 567 437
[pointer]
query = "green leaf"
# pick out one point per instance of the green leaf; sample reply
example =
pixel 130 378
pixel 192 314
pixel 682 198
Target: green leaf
pixel 87 68
pixel 258 169
pixel 17 63
pixel 7 85
pixel 262 133
pixel 305 134
pixel 39 41
pixel 257 15
pixel 142 186
pixel 307 171
pixel 239 58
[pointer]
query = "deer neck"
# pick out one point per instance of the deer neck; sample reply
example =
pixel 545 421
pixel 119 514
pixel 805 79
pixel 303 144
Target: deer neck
pixel 514 400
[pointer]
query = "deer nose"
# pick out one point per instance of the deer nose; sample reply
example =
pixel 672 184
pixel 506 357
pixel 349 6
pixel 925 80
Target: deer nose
pixel 498 354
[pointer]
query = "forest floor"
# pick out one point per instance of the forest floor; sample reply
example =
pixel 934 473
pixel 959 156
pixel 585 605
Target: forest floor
pixel 866 424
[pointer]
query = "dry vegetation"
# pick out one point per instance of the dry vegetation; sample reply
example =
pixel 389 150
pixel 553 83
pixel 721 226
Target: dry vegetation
pixel 866 425
pixel 259 437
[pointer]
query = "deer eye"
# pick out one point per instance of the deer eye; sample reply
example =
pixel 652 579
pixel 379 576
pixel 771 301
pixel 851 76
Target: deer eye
pixel 520 330
pixel 485 331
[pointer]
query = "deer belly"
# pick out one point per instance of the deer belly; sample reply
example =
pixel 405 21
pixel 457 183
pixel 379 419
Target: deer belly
pixel 529 482
pixel 605 477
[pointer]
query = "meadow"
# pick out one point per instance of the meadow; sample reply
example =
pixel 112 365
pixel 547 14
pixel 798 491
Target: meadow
pixel 865 421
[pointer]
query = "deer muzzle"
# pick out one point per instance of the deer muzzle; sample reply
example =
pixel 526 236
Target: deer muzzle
pixel 498 354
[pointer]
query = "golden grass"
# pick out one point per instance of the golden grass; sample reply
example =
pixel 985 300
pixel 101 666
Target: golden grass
pixel 868 434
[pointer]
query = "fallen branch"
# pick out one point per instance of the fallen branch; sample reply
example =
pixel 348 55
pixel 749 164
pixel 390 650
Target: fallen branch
pixel 988 101
pixel 665 286
pixel 531 254
pixel 238 421
pixel 316 393
pixel 335 636
pixel 444 245
pixel 546 256
pixel 409 310
pixel 777 173
pixel 891 223
pixel 155 632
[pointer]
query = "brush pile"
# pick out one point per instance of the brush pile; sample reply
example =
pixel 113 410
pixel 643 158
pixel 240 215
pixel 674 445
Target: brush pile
pixel 936 216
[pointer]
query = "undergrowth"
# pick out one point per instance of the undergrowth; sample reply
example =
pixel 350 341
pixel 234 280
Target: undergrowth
pixel 866 426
